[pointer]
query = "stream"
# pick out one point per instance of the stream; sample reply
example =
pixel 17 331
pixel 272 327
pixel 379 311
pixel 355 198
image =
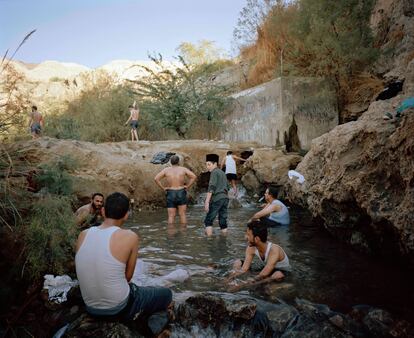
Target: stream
pixel 323 269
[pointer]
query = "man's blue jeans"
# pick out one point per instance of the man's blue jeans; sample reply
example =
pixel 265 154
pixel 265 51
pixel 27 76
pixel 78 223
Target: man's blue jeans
pixel 218 207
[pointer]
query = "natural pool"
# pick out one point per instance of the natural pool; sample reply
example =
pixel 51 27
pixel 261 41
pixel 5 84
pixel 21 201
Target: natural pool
pixel 323 269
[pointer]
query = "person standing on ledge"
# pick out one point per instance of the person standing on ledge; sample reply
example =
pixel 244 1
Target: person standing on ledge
pixel 275 212
pixel 133 120
pixel 231 171
pixel 217 199
pixel 176 189
pixel 36 123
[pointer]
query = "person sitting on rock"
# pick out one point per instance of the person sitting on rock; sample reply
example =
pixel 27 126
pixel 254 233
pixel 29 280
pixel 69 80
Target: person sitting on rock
pixel 91 214
pixel 105 262
pixel 274 212
pixel 176 189
pixel 274 260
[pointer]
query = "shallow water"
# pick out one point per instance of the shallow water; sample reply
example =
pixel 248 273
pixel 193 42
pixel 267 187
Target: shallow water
pixel 323 269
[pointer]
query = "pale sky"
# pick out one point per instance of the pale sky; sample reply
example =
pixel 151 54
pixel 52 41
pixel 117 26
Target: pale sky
pixel 94 32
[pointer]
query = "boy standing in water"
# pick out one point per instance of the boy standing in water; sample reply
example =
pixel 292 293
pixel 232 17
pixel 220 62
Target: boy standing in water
pixel 217 200
pixel 133 119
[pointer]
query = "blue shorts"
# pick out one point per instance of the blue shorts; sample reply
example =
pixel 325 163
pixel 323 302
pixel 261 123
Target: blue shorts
pixel 176 198
pixel 36 128
pixel 134 124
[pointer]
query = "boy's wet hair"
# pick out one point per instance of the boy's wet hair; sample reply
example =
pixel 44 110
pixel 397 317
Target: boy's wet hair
pixel 229 152
pixel 34 107
pixel 174 159
pixel 258 229
pixel 116 205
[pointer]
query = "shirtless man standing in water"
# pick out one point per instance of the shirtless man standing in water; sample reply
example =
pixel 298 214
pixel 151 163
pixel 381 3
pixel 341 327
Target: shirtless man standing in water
pixel 133 120
pixel 176 188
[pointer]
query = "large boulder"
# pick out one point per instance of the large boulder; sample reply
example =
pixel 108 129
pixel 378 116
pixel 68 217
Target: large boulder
pixel 360 181
pixel 267 166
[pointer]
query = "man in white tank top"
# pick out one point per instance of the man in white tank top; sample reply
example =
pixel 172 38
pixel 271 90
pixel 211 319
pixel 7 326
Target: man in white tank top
pixel 272 256
pixel 231 170
pixel 105 262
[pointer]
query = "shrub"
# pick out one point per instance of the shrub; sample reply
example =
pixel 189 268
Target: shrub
pixel 54 177
pixel 50 236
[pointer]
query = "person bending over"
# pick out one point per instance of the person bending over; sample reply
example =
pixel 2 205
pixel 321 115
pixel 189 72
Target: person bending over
pixel 274 212
pixel 272 258
pixel 105 262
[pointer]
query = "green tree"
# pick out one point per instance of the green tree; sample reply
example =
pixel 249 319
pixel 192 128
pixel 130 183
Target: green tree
pixel 336 39
pixel 179 99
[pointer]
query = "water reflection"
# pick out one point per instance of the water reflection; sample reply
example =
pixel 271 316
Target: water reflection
pixel 323 269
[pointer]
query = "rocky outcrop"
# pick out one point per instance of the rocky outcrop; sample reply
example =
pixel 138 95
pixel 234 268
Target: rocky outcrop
pixel 360 181
pixel 392 22
pixel 127 167
pixel 267 166
pixel 213 314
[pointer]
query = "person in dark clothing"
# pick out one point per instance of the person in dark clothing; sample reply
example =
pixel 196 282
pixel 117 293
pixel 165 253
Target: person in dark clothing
pixel 217 200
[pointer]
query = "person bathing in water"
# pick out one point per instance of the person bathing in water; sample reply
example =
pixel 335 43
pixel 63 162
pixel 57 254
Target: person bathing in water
pixel 133 120
pixel 105 262
pixel 274 212
pixel 176 188
pixel 272 257
pixel 91 214
pixel 231 171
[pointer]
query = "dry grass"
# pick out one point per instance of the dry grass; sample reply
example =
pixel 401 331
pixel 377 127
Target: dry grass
pixel 363 88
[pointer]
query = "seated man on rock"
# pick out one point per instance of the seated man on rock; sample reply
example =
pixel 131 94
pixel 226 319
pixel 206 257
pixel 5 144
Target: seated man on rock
pixel 274 212
pixel 105 262
pixel 272 258
pixel 91 213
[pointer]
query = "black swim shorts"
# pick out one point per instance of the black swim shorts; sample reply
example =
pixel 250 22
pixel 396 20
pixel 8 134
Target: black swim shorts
pixel 36 128
pixel 231 176
pixel 134 124
pixel 176 198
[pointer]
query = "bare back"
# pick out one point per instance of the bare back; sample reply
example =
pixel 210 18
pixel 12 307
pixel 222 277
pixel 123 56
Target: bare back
pixel 36 117
pixel 134 114
pixel 175 177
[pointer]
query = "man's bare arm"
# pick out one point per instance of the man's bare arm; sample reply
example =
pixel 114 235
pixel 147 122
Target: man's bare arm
pixel 239 158
pixel 159 177
pixel 129 119
pixel 248 259
pixel 266 211
pixel 132 259
pixel 192 177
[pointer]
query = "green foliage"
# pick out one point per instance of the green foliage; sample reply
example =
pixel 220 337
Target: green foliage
pixel 179 99
pixel 54 176
pixel 97 115
pixel 50 236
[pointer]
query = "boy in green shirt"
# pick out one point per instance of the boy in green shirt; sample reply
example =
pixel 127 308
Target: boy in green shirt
pixel 217 200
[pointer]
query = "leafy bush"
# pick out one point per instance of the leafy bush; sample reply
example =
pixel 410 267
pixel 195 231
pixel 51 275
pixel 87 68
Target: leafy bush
pixel 54 177
pixel 50 236
pixel 181 99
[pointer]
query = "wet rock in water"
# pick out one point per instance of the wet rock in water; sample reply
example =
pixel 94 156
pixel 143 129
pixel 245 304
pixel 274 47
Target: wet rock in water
pixel 234 203
pixel 162 157
pixel 281 317
pixel 86 326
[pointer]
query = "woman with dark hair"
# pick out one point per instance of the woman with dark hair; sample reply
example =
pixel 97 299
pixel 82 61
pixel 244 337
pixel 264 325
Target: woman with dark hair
pixel 275 212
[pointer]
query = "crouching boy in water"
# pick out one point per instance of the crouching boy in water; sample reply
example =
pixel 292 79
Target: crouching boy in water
pixel 105 261
pixel 271 256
